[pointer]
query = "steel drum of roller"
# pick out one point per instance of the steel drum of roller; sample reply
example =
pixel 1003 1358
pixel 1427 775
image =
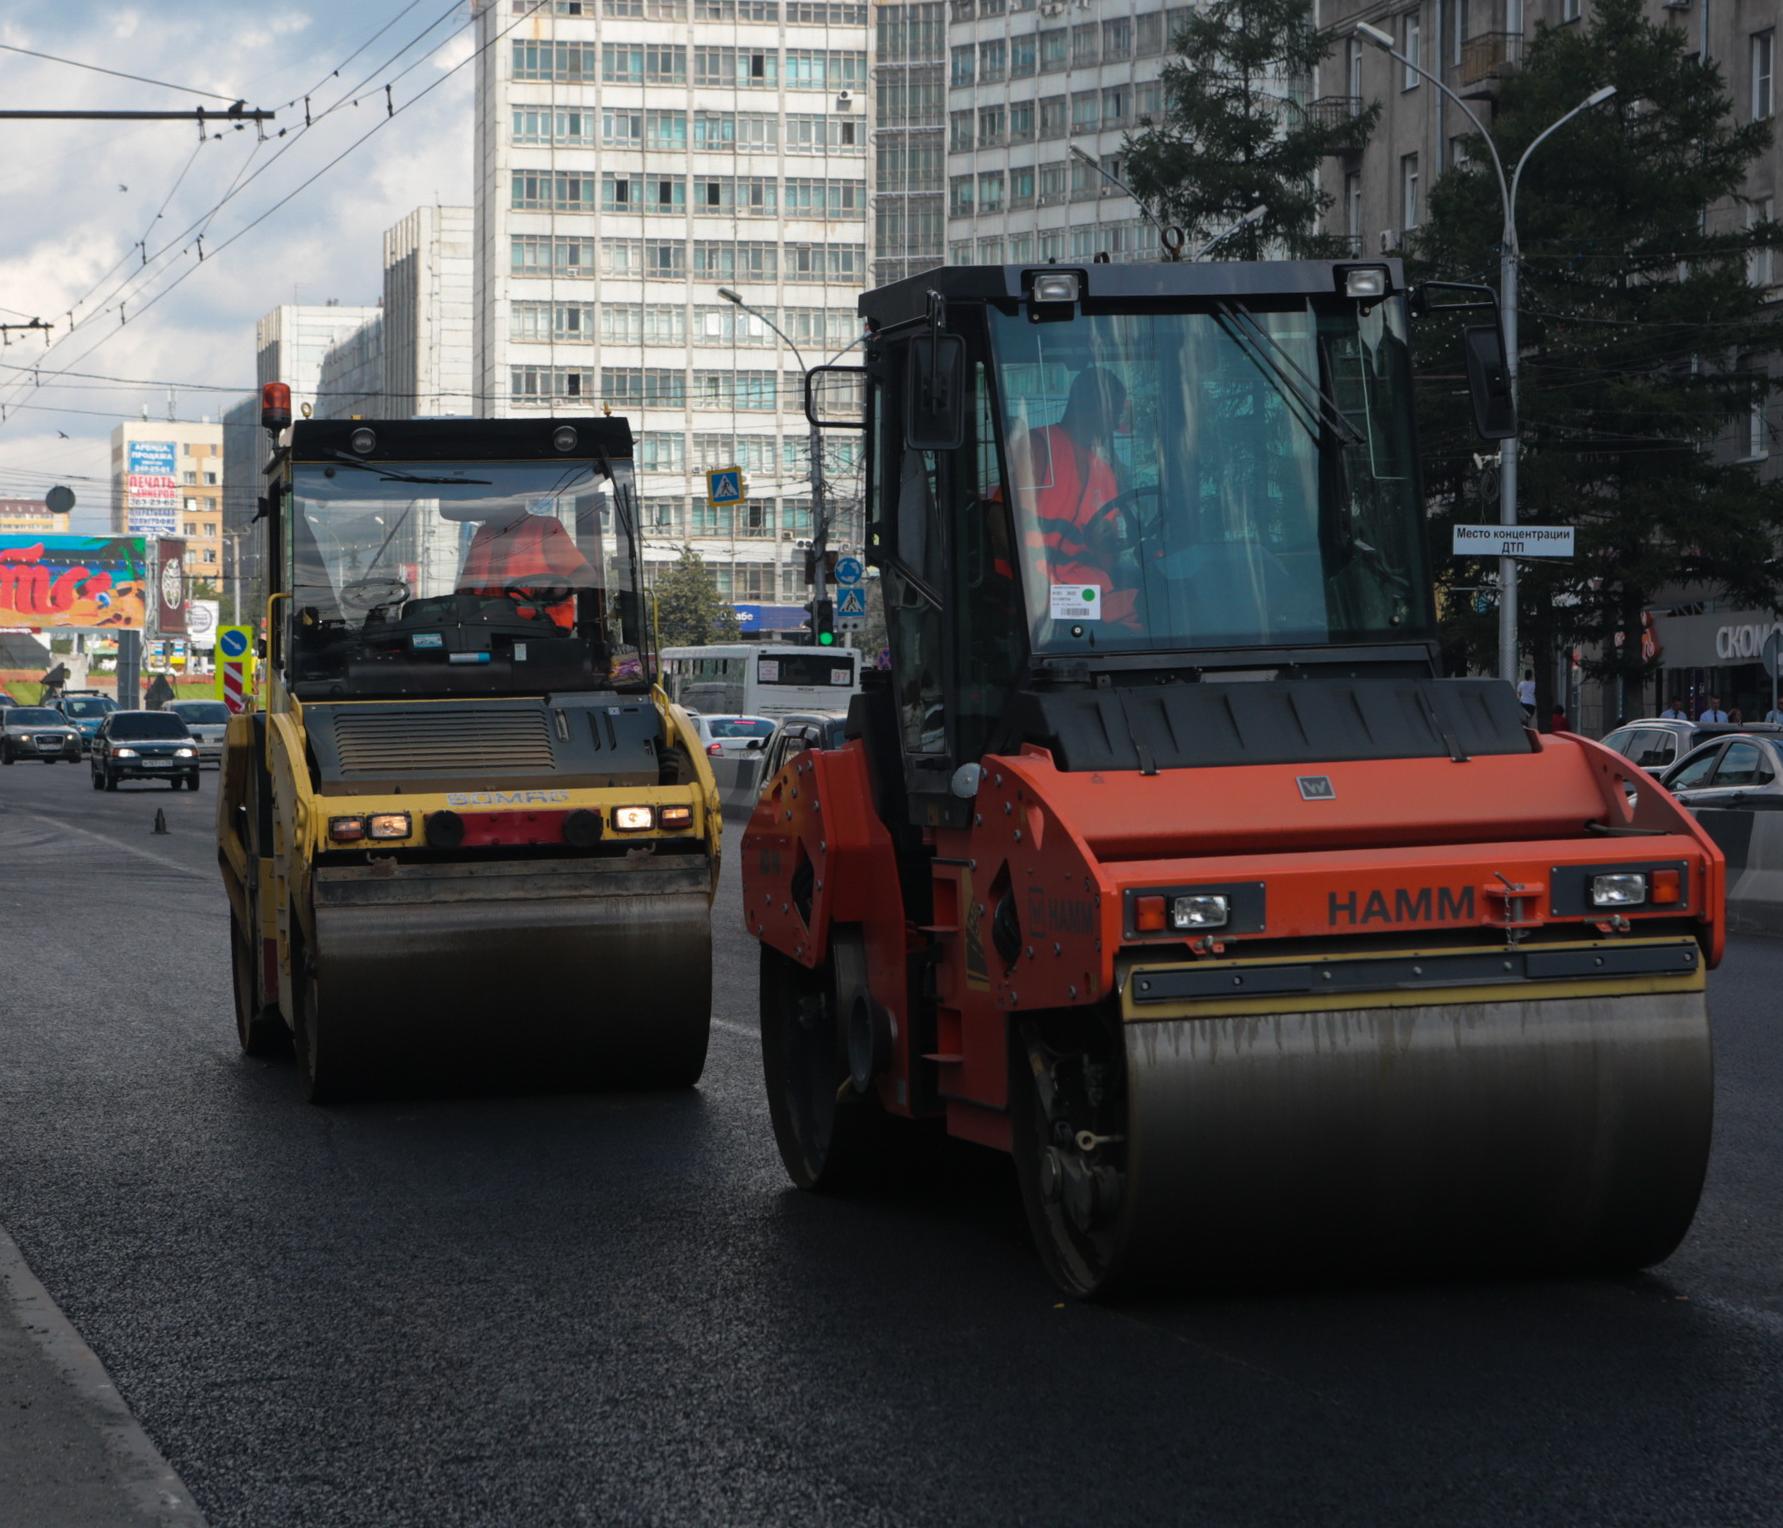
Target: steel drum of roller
pixel 1565 1133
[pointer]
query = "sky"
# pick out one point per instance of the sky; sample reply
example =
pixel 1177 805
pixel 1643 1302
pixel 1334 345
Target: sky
pixel 76 199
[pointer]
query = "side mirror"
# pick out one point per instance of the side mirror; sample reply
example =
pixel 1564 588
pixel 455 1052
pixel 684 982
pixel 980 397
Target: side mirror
pixel 935 393
pixel 756 744
pixel 836 397
pixel 1489 381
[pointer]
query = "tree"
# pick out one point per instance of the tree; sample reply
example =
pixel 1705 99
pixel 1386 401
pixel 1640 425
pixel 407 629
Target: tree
pixel 689 609
pixel 1641 337
pixel 1233 138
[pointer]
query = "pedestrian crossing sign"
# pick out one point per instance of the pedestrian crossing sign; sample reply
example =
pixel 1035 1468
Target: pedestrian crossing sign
pixel 725 487
pixel 851 602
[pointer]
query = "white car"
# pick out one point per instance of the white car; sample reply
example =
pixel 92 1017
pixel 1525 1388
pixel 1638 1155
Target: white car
pixel 206 720
pixel 731 734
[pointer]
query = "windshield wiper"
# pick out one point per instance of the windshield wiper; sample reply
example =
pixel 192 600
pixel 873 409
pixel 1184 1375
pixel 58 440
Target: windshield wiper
pixel 386 475
pixel 1272 358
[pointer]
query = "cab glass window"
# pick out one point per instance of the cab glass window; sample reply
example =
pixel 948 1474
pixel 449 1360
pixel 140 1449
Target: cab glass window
pixel 1742 765
pixel 1694 771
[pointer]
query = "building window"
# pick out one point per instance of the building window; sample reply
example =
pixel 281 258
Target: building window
pixel 1115 100
pixel 1352 65
pixel 1021 186
pixel 1411 44
pixel 1758 440
pixel 1054 46
pixel 991 128
pixel 1053 117
pixel 1085 44
pixel 1021 122
pixel 959 196
pixel 1151 34
pixel 1052 183
pixel 1760 263
pixel 993 61
pixel 1024 57
pixel 963 58
pixel 959 132
pixel 990 191
pixel 1463 18
pixel 1764 59
pixel 1408 192
pixel 1086 111
pixel 1352 210
pixel 1569 10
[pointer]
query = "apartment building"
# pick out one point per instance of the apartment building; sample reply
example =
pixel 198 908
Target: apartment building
pixel 167 480
pixel 909 139
pixel 1381 195
pixel 29 517
pixel 1040 96
pixel 632 158
pixel 429 284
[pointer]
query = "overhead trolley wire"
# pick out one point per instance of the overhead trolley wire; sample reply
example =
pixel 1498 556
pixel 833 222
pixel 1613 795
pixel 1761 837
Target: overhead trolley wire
pixel 75 63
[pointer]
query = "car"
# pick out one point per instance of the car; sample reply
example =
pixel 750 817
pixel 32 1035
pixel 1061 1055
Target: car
pixel 1738 770
pixel 7 702
pixel 206 720
pixel 144 745
pixel 85 710
pixel 1656 743
pixel 723 733
pixel 37 732
pixel 797 734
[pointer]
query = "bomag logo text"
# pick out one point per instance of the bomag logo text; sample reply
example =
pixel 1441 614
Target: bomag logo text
pixel 506 798
pixel 1403 904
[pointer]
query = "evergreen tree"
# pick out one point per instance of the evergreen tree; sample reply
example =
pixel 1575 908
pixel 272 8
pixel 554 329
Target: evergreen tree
pixel 1232 136
pixel 1642 341
pixel 690 611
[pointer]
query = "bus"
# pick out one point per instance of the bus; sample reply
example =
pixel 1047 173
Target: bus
pixel 761 679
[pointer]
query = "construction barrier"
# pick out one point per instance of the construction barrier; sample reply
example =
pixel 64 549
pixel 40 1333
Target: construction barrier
pixel 1752 840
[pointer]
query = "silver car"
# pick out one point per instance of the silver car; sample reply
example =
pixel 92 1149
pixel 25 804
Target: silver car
pixel 206 720
pixel 37 732
pixel 1729 772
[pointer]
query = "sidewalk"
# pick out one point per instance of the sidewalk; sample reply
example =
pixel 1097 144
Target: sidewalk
pixel 71 1455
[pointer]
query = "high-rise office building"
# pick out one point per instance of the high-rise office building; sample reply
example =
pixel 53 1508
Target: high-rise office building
pixel 909 96
pixel 429 281
pixel 632 157
pixel 1029 82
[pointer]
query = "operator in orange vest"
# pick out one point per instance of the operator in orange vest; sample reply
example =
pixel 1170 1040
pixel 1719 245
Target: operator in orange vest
pixel 1073 481
pixel 522 551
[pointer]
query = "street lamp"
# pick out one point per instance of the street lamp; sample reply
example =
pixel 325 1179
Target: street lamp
pixel 1118 184
pixel 1253 216
pixel 819 510
pixel 1509 254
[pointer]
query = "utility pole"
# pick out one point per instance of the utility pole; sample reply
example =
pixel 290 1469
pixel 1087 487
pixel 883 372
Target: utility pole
pixel 35 324
pixel 237 114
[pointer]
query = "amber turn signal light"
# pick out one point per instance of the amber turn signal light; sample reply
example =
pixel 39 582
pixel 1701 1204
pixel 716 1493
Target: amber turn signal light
pixel 1148 915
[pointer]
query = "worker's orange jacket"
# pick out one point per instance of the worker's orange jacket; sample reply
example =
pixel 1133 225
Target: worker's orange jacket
pixel 1074 483
pixel 534 546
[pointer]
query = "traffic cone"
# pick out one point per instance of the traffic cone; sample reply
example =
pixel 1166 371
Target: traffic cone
pixel 160 820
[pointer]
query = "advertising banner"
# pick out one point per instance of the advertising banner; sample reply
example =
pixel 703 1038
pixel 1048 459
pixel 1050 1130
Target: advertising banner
pixel 170 587
pixel 201 621
pixel 86 581
pixel 152 487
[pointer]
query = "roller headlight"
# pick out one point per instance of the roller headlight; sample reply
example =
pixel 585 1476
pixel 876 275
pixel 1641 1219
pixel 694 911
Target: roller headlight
pixel 346 830
pixel 633 819
pixel 388 825
pixel 1200 910
pixel 1623 889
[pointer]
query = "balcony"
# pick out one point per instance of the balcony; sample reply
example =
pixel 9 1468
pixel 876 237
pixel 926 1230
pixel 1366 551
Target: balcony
pixel 1333 110
pixel 1485 57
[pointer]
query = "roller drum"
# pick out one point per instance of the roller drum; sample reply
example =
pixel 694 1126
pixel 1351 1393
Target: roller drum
pixel 596 979
pixel 1494 1136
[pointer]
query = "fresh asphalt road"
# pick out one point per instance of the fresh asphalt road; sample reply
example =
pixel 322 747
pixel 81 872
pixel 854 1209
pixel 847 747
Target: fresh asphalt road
pixel 587 1309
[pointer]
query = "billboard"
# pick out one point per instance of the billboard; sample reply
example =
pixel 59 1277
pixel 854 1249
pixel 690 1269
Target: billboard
pixel 170 587
pixel 152 487
pixel 90 581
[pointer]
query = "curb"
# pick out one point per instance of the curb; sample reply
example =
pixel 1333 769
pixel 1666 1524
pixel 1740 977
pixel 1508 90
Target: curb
pixel 143 1475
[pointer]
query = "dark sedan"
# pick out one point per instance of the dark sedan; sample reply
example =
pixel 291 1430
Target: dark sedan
pixel 37 732
pixel 144 745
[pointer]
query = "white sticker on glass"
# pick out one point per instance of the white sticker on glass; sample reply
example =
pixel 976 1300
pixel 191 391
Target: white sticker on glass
pixel 1076 602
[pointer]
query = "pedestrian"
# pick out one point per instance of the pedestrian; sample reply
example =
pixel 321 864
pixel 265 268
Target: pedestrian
pixel 159 693
pixel 1773 715
pixel 1713 712
pixel 1526 692
pixel 1736 717
pixel 1675 710
pixel 1557 721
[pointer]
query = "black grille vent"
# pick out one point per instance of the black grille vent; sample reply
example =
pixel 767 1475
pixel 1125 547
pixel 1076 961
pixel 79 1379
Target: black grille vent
pixel 444 740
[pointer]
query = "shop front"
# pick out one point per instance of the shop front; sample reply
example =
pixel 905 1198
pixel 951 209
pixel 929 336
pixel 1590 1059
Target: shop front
pixel 1719 653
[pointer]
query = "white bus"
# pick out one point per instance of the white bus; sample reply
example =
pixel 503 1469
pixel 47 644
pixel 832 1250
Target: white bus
pixel 761 679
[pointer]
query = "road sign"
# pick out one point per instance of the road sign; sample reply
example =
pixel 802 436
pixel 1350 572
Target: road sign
pixel 234 667
pixel 1513 541
pixel 851 602
pixel 849 570
pixel 1482 602
pixel 725 487
pixel 1773 651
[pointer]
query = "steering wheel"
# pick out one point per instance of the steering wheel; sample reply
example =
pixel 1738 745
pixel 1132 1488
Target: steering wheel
pixel 368 594
pixel 529 591
pixel 1123 509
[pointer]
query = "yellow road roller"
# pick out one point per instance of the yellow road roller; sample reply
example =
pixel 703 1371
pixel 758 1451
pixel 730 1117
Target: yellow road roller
pixel 464 830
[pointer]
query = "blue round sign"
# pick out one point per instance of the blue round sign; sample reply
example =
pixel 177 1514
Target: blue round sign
pixel 233 643
pixel 848 570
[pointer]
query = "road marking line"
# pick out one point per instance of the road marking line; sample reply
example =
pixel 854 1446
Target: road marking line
pixel 117 843
pixel 736 1029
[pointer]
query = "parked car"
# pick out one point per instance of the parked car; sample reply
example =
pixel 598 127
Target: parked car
pixel 37 732
pixel 206 720
pixel 85 710
pixel 798 733
pixel 7 702
pixel 144 745
pixel 1735 770
pixel 1657 743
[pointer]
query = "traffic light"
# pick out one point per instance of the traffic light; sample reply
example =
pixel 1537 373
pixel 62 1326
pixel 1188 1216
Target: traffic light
pixel 820 621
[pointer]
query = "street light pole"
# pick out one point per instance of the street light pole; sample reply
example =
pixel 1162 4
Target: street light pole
pixel 819 517
pixel 1508 258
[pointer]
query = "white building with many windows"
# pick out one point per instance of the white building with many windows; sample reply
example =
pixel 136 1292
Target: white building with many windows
pixel 1029 81
pixel 632 157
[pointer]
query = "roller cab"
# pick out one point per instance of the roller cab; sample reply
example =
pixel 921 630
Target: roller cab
pixel 1165 859
pixel 466 831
